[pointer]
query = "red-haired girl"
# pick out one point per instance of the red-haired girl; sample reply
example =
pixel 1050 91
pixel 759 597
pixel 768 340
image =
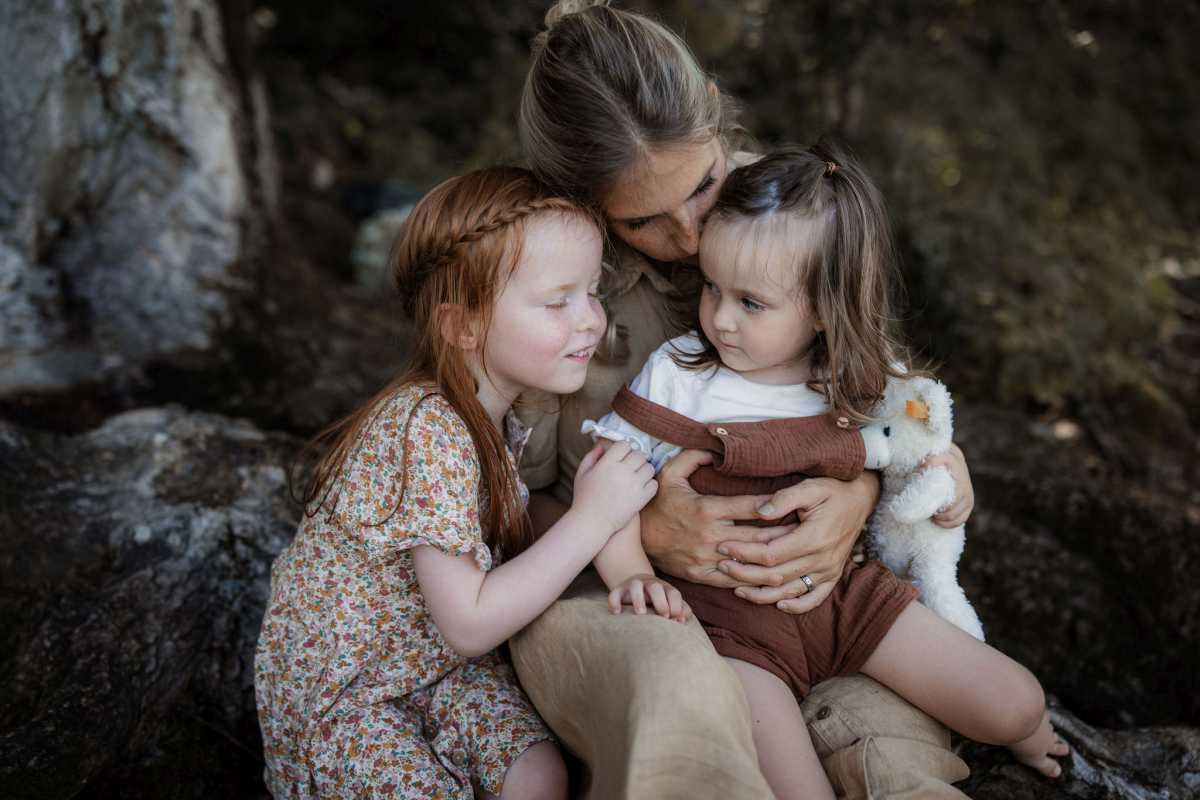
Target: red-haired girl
pixel 376 672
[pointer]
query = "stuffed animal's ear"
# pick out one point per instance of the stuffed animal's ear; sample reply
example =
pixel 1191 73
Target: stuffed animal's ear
pixel 932 403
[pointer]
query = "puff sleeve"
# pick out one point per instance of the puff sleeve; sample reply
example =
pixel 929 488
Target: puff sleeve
pixel 423 448
pixel 656 382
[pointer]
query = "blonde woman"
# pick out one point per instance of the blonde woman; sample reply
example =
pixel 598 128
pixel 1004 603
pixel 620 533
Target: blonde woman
pixel 617 114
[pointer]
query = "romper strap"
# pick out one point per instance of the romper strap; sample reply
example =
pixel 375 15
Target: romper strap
pixel 798 446
pixel 663 423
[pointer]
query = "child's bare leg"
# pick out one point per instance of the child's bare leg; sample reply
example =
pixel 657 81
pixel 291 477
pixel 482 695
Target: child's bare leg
pixel 785 751
pixel 538 773
pixel 971 687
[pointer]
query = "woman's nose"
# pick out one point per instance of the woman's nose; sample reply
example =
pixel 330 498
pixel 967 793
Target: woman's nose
pixel 687 231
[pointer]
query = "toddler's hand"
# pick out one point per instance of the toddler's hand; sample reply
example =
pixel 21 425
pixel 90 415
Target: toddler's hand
pixel 612 485
pixel 635 591
pixel 960 508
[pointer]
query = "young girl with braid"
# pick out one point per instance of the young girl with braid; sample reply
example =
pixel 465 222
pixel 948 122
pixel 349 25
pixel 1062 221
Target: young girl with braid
pixel 376 673
pixel 793 348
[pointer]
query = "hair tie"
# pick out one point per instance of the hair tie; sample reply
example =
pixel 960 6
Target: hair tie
pixel 830 168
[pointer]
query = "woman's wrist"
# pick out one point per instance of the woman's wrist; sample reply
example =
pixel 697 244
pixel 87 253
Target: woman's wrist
pixel 654 543
pixel 867 484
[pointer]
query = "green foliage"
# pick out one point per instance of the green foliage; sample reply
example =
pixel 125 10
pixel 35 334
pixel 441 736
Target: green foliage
pixel 1031 155
pixel 1039 158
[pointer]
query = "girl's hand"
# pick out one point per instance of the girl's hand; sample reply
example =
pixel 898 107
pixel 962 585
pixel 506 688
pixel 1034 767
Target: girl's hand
pixel 636 590
pixel 612 485
pixel 964 498
pixel 772 568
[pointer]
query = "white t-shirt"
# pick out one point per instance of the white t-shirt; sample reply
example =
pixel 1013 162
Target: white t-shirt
pixel 711 394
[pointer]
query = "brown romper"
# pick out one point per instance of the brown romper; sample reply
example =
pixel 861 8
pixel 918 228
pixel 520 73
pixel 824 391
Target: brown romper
pixel 838 636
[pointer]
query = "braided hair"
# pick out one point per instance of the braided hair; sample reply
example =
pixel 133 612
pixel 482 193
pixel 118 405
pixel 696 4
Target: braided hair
pixel 415 258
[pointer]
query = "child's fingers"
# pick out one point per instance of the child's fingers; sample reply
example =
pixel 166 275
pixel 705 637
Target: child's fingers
pixel 658 596
pixel 637 594
pixel 675 601
pixel 614 600
pixel 589 460
pixel 617 452
pixel 687 613
pixel 955 515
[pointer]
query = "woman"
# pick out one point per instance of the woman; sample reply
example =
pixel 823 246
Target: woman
pixel 617 114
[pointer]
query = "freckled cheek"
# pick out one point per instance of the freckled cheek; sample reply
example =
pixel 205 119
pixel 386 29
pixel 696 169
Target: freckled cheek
pixel 656 241
pixel 547 338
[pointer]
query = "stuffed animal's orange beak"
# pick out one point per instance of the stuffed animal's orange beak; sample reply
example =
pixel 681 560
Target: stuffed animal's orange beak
pixel 916 409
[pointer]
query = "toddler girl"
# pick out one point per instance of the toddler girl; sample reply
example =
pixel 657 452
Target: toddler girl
pixel 376 672
pixel 794 346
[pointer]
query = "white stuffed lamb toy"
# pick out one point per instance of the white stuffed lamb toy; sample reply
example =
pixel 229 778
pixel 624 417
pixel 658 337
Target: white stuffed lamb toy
pixel 912 422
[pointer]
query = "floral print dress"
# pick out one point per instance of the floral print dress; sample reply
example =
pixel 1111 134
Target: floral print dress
pixel 358 693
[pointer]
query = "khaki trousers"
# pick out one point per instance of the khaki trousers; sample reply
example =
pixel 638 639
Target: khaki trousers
pixel 654 712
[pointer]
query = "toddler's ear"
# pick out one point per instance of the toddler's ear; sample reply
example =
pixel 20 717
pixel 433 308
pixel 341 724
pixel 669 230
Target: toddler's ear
pixel 458 326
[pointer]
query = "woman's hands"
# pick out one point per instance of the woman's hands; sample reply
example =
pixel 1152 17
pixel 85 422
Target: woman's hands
pixel 694 536
pixel 637 589
pixel 771 568
pixel 681 529
pixel 612 484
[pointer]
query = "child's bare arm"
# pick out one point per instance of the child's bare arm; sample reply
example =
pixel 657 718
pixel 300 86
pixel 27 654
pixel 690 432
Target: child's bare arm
pixel 623 557
pixel 475 610
pixel 627 573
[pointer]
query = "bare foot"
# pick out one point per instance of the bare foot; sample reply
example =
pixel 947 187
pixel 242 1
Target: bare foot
pixel 1041 748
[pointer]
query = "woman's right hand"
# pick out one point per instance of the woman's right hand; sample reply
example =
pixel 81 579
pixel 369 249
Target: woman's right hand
pixel 682 529
pixel 613 484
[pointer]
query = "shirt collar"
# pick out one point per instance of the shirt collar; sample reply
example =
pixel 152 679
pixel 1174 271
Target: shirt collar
pixel 624 267
pixel 516 434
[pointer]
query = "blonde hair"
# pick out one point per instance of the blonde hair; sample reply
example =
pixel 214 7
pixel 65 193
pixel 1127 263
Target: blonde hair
pixel 605 88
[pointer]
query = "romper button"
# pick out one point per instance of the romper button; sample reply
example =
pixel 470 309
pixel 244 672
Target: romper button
pixel 843 422
pixel 823 713
pixel 721 432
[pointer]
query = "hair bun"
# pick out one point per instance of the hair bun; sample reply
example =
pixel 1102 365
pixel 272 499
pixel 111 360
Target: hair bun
pixel 558 12
pixel 565 8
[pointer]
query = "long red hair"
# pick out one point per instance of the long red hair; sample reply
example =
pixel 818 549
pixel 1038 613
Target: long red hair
pixel 458 246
